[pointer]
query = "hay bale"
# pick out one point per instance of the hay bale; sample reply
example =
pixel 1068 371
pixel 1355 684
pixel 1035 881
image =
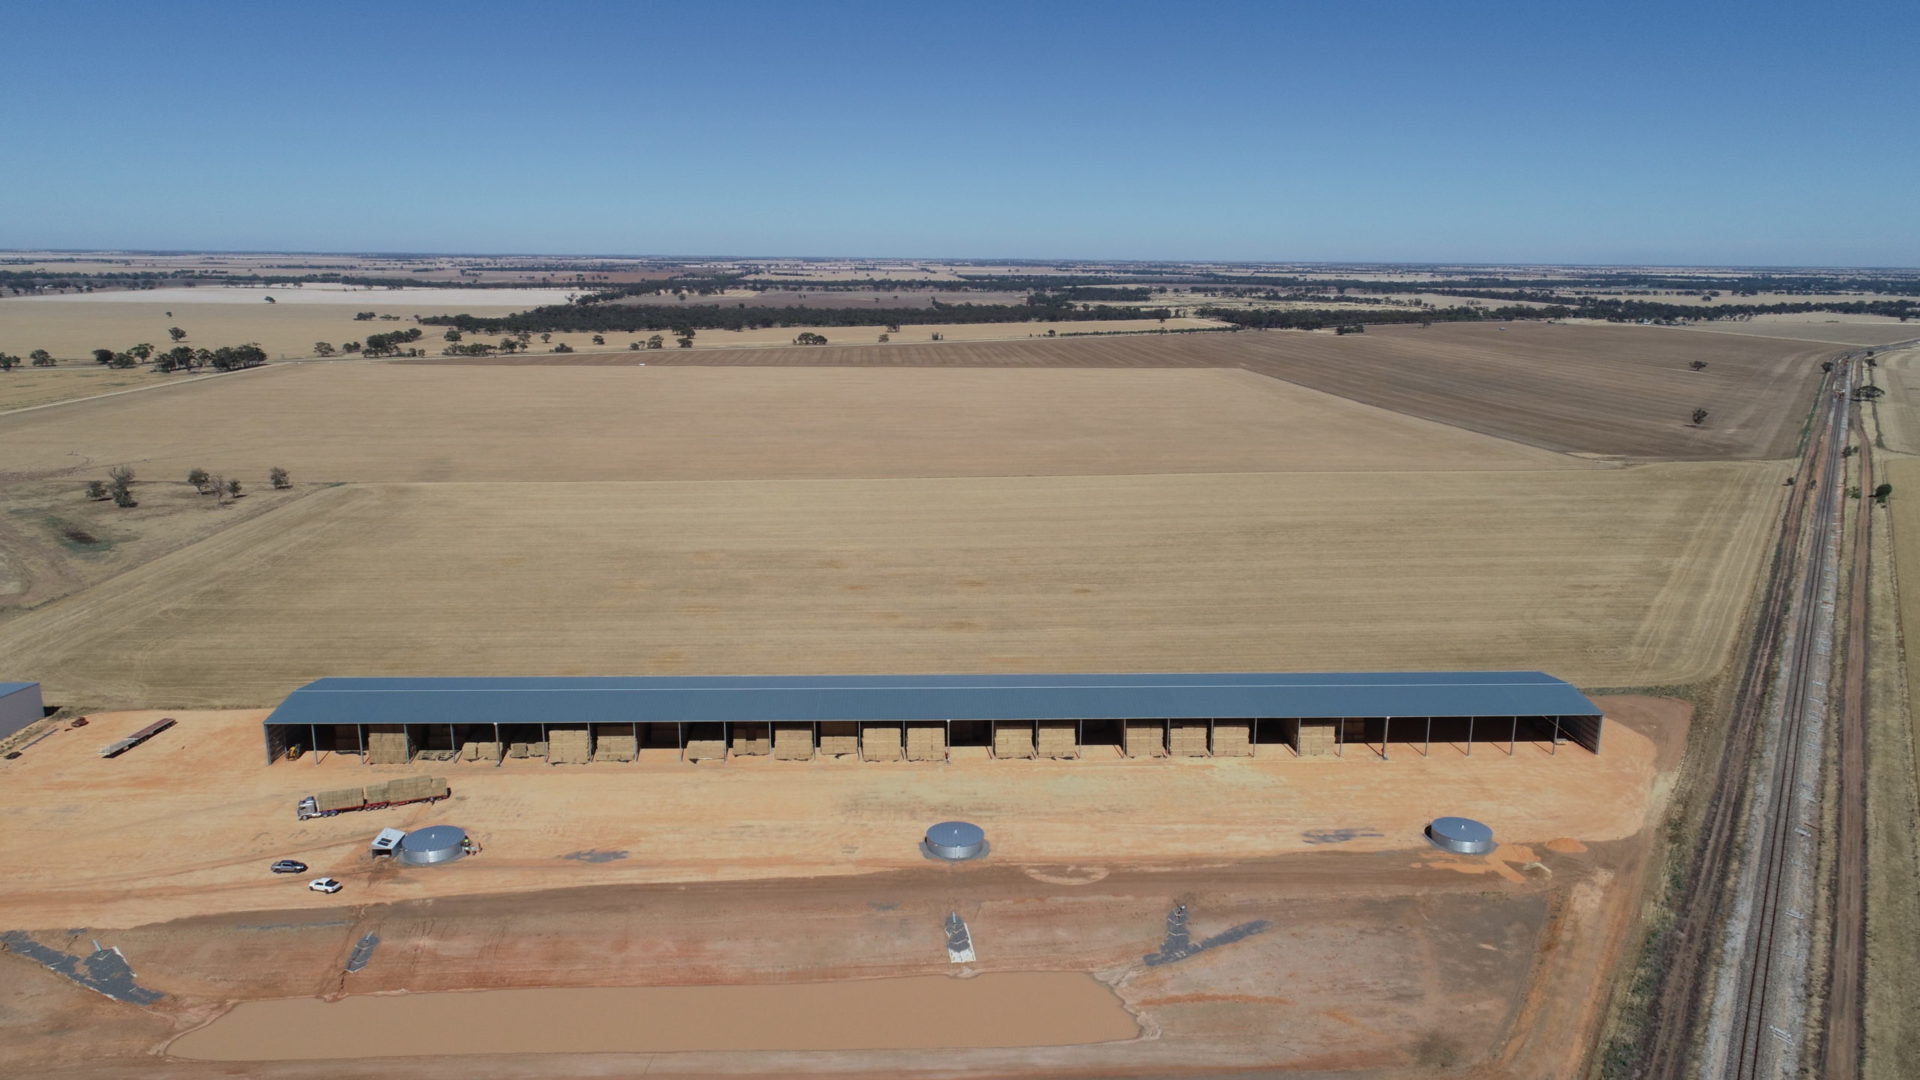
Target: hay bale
pixel 519 750
pixel 751 739
pixel 1146 738
pixel 1233 738
pixel 1058 739
pixel 569 745
pixel 1187 738
pixel 839 738
pixel 340 798
pixel 1013 738
pixel 881 741
pixel 624 746
pixel 387 744
pixel 1317 738
pixel 926 741
pixel 792 741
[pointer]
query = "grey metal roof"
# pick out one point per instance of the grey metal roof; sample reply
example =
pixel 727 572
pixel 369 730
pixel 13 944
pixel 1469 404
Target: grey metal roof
pixel 927 697
pixel 15 687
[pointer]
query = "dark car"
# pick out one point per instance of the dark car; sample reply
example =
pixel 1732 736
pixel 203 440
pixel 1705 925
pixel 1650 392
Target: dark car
pixel 289 866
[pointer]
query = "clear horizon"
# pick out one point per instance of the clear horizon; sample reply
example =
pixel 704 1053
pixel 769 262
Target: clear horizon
pixel 1767 135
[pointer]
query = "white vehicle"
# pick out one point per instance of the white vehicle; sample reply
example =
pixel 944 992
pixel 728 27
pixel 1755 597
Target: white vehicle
pixel 324 884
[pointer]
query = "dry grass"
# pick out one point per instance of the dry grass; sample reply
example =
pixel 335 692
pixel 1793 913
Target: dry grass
pixel 381 422
pixel 25 387
pixel 1817 327
pixel 1612 577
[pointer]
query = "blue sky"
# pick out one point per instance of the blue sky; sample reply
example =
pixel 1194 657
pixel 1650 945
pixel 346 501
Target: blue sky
pixel 1745 134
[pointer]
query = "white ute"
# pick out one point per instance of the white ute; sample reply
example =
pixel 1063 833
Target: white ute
pixel 324 884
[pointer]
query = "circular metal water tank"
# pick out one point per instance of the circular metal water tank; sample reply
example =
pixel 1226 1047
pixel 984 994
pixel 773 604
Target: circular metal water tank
pixel 1462 836
pixel 433 844
pixel 956 840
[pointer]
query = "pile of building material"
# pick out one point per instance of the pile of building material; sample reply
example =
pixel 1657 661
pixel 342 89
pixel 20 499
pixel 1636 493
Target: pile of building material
pixel 615 742
pixel 1059 739
pixel 1013 738
pixel 569 745
pixel 340 799
pixel 839 738
pixel 880 741
pixel 387 745
pixel 751 739
pixel 926 741
pixel 1233 738
pixel 1146 738
pixel 1187 738
pixel 1318 737
pixel 792 741
pixel 706 742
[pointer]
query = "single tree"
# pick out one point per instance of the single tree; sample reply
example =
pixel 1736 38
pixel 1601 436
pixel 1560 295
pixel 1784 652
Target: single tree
pixel 277 476
pixel 123 360
pixel 452 335
pixel 1697 365
pixel 633 346
pixel 123 498
pixel 563 347
pixel 544 338
pixel 103 356
pixel 233 489
pixel 198 478
pixel 269 299
pixel 96 490
pixel 177 334
pixel 1699 415
pixel 351 346
pixel 884 338
pixel 8 361
pixel 599 339
pixel 1880 493
pixel 656 342
pixel 217 487
pixel 322 348
pixel 120 479
pixel 41 358
pixel 140 352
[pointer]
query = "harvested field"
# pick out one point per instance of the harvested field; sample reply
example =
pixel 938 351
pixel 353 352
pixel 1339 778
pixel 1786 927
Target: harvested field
pixel 1621 391
pixel 71 327
pixel 1897 415
pixel 29 386
pixel 1817 327
pixel 1606 577
pixel 378 422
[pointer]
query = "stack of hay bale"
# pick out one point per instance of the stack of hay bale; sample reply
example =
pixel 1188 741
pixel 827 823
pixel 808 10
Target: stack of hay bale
pixel 880 741
pixel 526 749
pixel 408 788
pixel 339 799
pixel 569 745
pixel 1059 739
pixel 1233 738
pixel 751 739
pixel 615 742
pixel 1146 738
pixel 839 738
pixel 706 742
pixel 480 750
pixel 926 741
pixel 792 741
pixel 1013 738
pixel 387 745
pixel 1187 738
pixel 1318 737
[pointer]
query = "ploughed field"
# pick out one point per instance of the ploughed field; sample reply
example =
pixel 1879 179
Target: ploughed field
pixel 1625 391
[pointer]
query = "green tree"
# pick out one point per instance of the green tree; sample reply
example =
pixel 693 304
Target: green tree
pixel 1699 415
pixel 656 342
pixel 1880 493
pixel 103 356
pixel 8 361
pixel 233 489
pixel 452 335
pixel 97 490
pixel 277 476
pixel 41 358
pixel 123 361
pixel 120 480
pixel 178 358
pixel 198 478
pixel 599 339
pixel 177 334
pixel 141 352
pixel 322 348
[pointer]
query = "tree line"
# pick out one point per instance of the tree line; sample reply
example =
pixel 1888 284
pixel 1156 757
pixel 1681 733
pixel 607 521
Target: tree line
pixel 629 318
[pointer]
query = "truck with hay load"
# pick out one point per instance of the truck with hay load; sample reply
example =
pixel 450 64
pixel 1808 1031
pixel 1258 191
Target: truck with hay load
pixel 410 789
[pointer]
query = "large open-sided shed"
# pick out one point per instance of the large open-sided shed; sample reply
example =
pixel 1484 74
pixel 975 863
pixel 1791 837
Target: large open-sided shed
pixel 576 720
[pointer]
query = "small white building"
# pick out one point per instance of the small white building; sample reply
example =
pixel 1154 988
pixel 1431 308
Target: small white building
pixel 20 705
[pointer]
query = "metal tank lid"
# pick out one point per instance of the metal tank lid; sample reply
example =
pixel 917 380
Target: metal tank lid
pixel 1463 835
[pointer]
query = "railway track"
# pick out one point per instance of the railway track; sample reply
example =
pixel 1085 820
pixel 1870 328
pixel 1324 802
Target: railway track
pixel 1739 960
